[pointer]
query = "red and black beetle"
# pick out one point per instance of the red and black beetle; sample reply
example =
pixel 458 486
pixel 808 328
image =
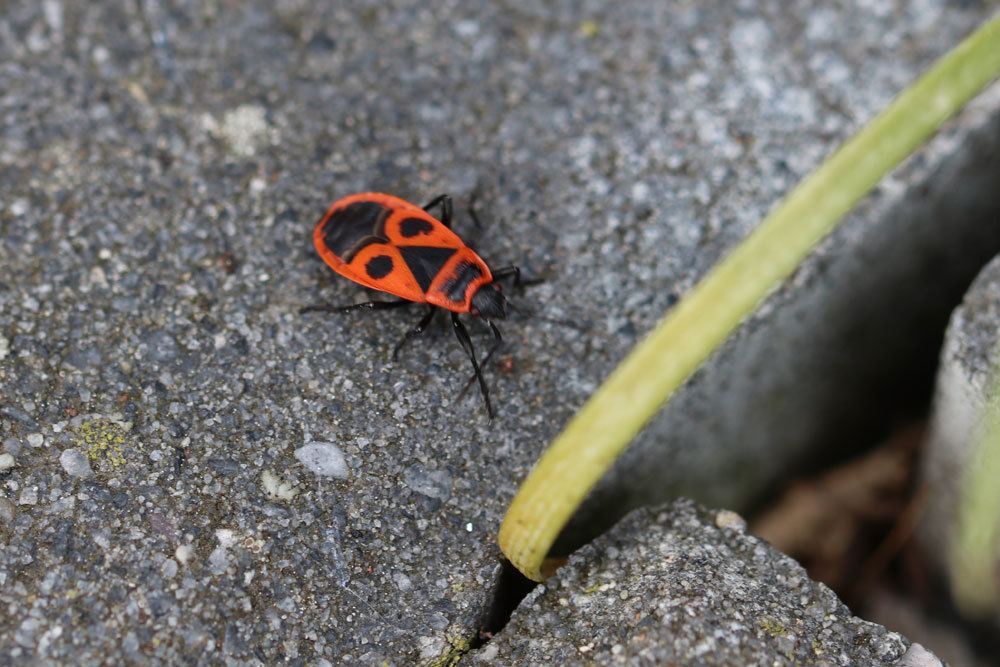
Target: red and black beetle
pixel 388 244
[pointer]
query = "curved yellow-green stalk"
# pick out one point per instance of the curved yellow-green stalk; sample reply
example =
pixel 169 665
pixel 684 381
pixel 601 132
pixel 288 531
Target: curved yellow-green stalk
pixel 655 368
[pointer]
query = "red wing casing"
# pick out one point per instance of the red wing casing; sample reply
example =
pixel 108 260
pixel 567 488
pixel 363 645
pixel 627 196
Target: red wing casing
pixel 388 244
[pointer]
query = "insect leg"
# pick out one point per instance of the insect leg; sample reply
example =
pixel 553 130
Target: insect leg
pixel 463 337
pixel 414 332
pixel 497 342
pixel 445 202
pixel 367 305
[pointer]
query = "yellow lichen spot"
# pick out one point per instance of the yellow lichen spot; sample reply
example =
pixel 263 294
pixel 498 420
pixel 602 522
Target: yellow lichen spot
pixel 599 588
pixel 457 647
pixel 589 28
pixel 102 439
pixel 457 587
pixel 772 627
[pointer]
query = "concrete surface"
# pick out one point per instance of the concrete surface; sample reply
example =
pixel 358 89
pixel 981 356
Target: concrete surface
pixel 841 352
pixel 161 166
pixel 679 585
pixel 965 383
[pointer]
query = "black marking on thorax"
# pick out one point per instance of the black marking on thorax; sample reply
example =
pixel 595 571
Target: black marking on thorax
pixel 355 226
pixel 459 282
pixel 425 262
pixel 411 227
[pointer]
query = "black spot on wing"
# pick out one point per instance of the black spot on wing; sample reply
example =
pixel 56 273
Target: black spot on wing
pixel 379 266
pixel 425 262
pixel 411 227
pixel 353 227
pixel 459 282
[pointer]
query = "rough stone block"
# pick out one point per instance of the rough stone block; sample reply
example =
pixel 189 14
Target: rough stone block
pixel 679 585
pixel 965 383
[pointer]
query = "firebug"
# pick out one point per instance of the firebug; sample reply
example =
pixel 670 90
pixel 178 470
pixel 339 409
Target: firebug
pixel 390 245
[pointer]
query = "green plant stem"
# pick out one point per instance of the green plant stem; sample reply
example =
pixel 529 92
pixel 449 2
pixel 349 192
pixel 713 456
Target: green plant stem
pixel 699 324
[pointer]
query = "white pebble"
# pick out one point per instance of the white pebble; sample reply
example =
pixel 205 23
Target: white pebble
pixel 169 568
pixel 4 347
pixel 276 487
pixel 226 537
pixel 6 462
pixel 36 439
pixel 29 496
pixel 218 560
pixel 918 656
pixel 7 511
pixel 730 519
pixel 323 458
pixel 98 278
pixel 245 128
pixel 402 581
pixel 19 207
pixel 183 553
pixel 75 463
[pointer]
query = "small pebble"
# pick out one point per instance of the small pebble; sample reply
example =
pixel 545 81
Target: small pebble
pixel 19 207
pixel 218 560
pixel 402 581
pixel 730 519
pixel 431 483
pixel 245 128
pixel 183 553
pixel 276 487
pixel 918 656
pixel 6 462
pixel 7 511
pixel 323 458
pixel 29 496
pixel 75 463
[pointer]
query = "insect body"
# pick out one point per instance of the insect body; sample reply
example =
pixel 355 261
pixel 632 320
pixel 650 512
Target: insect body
pixel 393 246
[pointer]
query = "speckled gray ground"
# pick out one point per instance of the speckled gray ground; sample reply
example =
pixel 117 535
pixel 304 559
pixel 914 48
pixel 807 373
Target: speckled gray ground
pixel 679 585
pixel 161 165
pixel 965 383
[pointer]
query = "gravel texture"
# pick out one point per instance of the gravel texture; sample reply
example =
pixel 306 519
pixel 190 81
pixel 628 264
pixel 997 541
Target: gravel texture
pixel 161 166
pixel 679 585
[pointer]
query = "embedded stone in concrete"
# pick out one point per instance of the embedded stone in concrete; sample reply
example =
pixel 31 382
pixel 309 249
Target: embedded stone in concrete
pixel 75 463
pixel 323 459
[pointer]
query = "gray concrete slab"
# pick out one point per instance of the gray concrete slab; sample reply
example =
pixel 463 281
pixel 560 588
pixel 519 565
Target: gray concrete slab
pixel 161 165
pixel 680 585
pixel 965 384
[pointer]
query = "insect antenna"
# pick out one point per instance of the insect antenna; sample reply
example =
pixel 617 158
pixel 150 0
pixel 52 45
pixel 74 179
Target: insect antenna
pixel 530 312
